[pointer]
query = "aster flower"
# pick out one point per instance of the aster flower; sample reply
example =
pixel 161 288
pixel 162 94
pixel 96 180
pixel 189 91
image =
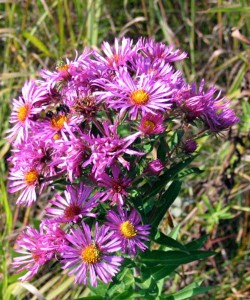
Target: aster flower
pixel 74 205
pixel 34 152
pixel 219 116
pixel 141 95
pixel 53 237
pixel 117 55
pixel 109 149
pixel 115 187
pixel 33 256
pixel 27 180
pixel 154 50
pixel 70 153
pixel 192 102
pixel 91 256
pixel 56 124
pixel 129 230
pixel 23 111
pixel 152 124
pixel 66 71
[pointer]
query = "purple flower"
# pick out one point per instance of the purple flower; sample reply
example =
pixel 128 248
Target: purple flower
pixel 115 187
pixel 192 102
pixel 37 248
pixel 219 116
pixel 87 255
pixel 129 230
pixel 24 110
pixel 67 71
pixel 155 50
pixel 70 153
pixel 109 149
pixel 33 257
pixel 116 56
pixel 27 180
pixel 152 124
pixel 141 95
pixel 74 206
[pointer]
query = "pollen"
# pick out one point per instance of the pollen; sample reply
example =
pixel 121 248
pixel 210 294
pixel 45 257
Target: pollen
pixel 91 254
pixel 149 125
pixel 57 136
pixel 23 112
pixel 57 122
pixel 63 68
pixel 36 256
pixel 31 177
pixel 115 58
pixel 128 230
pixel 139 97
pixel 72 211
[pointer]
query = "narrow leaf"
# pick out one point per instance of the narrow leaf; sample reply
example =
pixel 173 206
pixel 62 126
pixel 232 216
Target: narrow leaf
pixel 166 201
pixel 173 257
pixel 37 43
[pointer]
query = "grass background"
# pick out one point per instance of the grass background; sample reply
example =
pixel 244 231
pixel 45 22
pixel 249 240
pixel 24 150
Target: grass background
pixel 216 34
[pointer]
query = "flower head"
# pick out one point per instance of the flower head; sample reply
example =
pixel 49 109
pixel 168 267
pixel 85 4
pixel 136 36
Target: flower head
pixel 23 110
pixel 91 256
pixel 73 206
pixel 25 179
pixel 152 124
pixel 142 95
pixel 115 186
pixel 129 230
pixel 37 248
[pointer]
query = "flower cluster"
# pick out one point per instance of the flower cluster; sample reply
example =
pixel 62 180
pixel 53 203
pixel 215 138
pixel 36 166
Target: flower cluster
pixel 90 122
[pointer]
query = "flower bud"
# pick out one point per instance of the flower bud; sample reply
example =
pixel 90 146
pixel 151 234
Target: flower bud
pixel 190 146
pixel 154 167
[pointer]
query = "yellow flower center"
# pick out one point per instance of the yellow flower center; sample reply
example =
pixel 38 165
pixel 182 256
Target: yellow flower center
pixel 150 125
pixel 128 230
pixel 23 112
pixel 139 97
pixel 31 177
pixel 91 254
pixel 57 122
pixel 56 136
pixel 63 68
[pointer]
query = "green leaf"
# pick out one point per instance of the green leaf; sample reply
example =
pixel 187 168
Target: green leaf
pixel 37 43
pixel 162 149
pixel 174 232
pixel 166 177
pixel 123 296
pixel 157 273
pixel 160 257
pixel 187 293
pixel 197 244
pixel 162 239
pixel 91 298
pixel 189 171
pixel 165 202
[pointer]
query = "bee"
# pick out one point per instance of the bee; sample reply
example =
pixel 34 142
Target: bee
pixel 60 63
pixel 55 110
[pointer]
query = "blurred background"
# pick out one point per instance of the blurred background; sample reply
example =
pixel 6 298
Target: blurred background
pixel 216 203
